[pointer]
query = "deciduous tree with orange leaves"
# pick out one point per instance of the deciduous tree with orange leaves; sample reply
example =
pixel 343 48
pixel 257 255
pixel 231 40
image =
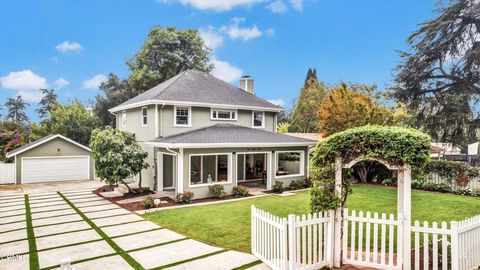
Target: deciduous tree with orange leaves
pixel 346 106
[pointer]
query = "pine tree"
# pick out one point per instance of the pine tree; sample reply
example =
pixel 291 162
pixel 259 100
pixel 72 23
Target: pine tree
pixel 16 110
pixel 49 98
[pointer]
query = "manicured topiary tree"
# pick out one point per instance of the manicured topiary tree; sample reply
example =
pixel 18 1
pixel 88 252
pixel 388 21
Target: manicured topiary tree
pixel 395 145
pixel 117 155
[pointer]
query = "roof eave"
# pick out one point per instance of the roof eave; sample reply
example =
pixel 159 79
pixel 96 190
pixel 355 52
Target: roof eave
pixel 189 103
pixel 228 145
pixel 14 153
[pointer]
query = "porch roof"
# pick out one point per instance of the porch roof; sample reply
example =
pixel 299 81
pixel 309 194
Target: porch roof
pixel 228 135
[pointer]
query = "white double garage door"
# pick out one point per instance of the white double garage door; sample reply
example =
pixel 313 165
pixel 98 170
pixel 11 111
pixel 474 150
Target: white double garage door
pixel 49 169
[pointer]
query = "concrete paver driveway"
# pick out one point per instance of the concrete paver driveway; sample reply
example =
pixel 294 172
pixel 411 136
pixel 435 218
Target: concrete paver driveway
pixel 39 230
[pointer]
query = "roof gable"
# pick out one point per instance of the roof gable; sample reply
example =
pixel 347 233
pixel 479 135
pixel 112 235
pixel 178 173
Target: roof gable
pixel 41 141
pixel 195 87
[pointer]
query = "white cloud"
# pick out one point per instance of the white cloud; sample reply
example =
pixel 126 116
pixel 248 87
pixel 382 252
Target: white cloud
pixel 54 59
pixel 297 4
pixel 215 5
pixel 23 80
pixel 270 32
pixel 226 71
pixel 94 82
pixel 61 82
pixel 68 46
pixel 211 37
pixel 234 31
pixel 277 7
pixel 279 102
pixel 26 83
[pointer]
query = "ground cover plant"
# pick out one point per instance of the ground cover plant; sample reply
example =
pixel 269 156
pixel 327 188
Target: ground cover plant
pixel 228 224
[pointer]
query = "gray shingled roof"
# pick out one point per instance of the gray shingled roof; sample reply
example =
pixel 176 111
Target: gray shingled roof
pixel 200 87
pixel 228 133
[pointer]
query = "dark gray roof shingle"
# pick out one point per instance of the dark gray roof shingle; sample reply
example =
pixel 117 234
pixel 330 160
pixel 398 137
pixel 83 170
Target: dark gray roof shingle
pixel 200 87
pixel 228 133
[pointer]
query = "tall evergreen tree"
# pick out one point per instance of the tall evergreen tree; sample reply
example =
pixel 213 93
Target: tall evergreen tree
pixel 16 110
pixel 439 78
pixel 304 117
pixel 49 98
pixel 116 91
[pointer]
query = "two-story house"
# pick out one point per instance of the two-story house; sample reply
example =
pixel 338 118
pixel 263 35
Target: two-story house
pixel 199 130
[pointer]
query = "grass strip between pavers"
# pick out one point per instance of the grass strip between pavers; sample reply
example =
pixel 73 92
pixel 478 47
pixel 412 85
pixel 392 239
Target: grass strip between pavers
pixel 189 260
pixel 45 225
pixel 81 261
pixel 128 234
pixel 157 245
pixel 248 265
pixel 12 230
pixel 32 244
pixel 123 223
pixel 131 261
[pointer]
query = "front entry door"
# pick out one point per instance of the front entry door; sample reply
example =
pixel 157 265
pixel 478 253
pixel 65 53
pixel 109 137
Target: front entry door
pixel 166 173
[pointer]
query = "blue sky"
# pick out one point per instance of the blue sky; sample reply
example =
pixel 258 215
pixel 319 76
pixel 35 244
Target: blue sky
pixel 72 45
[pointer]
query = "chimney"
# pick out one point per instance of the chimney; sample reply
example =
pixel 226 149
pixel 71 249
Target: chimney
pixel 246 83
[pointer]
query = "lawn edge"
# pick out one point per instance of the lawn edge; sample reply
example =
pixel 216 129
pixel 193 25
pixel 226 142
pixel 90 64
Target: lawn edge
pixel 32 244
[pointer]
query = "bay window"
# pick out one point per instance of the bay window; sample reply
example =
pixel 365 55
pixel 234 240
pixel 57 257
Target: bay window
pixel 208 169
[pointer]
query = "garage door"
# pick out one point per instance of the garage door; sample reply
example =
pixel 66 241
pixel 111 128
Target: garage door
pixel 48 169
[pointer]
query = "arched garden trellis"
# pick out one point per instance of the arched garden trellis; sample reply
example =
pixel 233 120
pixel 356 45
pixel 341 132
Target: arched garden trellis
pixel 404 208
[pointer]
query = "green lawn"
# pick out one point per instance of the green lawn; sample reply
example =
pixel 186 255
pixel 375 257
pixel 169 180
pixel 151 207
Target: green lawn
pixel 228 225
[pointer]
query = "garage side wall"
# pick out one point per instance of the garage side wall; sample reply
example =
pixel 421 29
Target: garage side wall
pixel 56 148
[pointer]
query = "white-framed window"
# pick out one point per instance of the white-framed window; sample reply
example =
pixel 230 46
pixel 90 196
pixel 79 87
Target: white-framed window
pixel 289 163
pixel 124 118
pixel 258 119
pixel 223 114
pixel 182 116
pixel 210 169
pixel 144 116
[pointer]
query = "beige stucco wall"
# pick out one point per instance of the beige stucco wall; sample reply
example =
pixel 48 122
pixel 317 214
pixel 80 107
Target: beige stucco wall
pixel 202 192
pixel 51 148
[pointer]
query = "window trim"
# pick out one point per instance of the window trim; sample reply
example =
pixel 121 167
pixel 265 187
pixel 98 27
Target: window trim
pixel 144 116
pixel 123 120
pixel 302 164
pixel 263 119
pixel 230 169
pixel 221 109
pixel 189 124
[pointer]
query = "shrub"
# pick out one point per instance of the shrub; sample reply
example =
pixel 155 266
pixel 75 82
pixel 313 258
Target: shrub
pixel 296 184
pixel 307 182
pixel 148 202
pixel 465 192
pixel 389 182
pixel 418 184
pixel 184 197
pixel 277 187
pixel 239 191
pixel 323 196
pixel 217 191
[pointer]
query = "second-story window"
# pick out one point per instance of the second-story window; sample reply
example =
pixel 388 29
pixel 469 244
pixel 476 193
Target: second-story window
pixel 182 116
pixel 258 119
pixel 124 118
pixel 144 116
pixel 222 114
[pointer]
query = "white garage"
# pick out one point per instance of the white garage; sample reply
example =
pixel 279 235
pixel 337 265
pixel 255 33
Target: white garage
pixel 52 158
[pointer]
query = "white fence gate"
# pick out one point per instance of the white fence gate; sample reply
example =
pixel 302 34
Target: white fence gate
pixel 7 173
pixel 369 240
pixel 303 243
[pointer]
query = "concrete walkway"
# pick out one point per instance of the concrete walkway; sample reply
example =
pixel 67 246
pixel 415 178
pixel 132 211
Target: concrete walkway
pixel 96 234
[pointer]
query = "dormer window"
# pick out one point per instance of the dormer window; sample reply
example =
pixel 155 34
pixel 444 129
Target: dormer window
pixel 222 114
pixel 144 116
pixel 124 118
pixel 258 119
pixel 182 116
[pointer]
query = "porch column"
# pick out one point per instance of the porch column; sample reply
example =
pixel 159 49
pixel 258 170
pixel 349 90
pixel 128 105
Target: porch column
pixel 180 171
pixel 159 171
pixel 270 169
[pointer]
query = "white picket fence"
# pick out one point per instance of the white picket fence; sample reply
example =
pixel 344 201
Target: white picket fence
pixel 366 241
pixel 369 239
pixel 299 242
pixel 473 184
pixel 7 173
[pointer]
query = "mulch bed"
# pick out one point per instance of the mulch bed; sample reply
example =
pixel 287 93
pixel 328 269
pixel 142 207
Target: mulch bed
pixel 135 206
